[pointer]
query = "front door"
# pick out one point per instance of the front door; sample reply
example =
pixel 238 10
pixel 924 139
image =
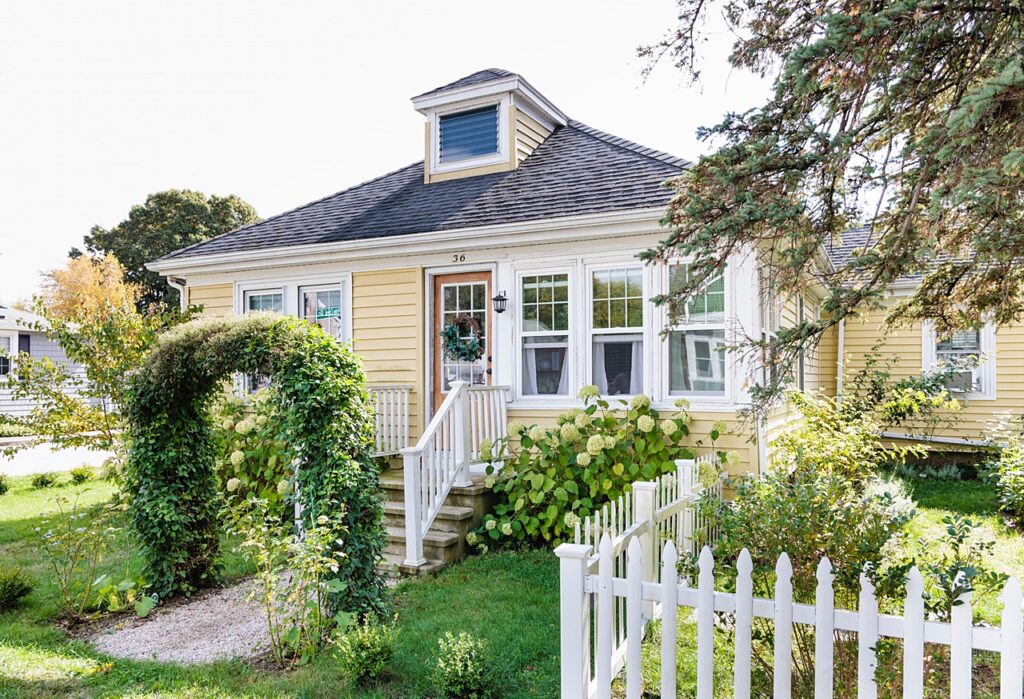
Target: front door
pixel 455 295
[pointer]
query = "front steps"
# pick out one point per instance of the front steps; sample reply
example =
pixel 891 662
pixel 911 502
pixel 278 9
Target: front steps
pixel 445 541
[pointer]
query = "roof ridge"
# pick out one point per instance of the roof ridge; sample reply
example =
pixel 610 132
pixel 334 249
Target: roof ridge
pixel 632 146
pixel 178 252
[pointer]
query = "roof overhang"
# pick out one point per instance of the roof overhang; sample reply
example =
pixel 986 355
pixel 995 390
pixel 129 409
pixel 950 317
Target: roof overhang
pixel 568 228
pixel 523 91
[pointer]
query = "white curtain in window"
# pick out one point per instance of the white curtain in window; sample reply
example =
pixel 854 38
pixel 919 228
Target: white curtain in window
pixel 636 371
pixel 636 376
pixel 563 379
pixel 600 369
pixel 529 371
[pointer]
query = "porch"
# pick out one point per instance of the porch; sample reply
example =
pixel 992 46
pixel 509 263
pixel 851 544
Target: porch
pixel 435 493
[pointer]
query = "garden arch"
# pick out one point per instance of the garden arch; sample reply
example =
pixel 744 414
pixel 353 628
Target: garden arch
pixel 170 474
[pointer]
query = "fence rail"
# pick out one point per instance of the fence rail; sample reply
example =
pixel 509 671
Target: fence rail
pixel 391 417
pixel 442 456
pixel 589 598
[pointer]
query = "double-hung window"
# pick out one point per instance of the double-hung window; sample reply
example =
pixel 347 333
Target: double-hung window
pixel 771 320
pixel 617 330
pixel 968 354
pixel 545 334
pixel 8 348
pixel 271 300
pixel 696 339
pixel 321 305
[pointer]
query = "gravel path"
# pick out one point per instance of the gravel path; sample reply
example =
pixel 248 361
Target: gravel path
pixel 214 625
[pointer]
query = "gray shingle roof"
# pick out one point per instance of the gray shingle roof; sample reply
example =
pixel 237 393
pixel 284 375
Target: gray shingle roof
pixel 481 76
pixel 577 170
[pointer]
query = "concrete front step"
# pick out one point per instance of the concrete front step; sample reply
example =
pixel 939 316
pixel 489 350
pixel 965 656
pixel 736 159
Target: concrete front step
pixel 463 510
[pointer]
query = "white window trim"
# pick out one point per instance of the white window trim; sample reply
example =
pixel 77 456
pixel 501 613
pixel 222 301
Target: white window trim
pixel 726 396
pixel 502 156
pixel 12 355
pixel 986 369
pixel 516 307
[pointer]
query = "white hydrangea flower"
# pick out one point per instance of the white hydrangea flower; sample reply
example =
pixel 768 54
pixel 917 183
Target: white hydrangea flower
pixel 682 404
pixel 282 487
pixel 244 426
pixel 228 425
pixel 583 459
pixel 472 539
pixel 571 519
pixel 669 427
pixel 720 426
pixel 490 481
pixel 537 433
pixel 483 548
pixel 595 444
pixel 609 441
pixel 261 420
pixel 506 529
pixel 486 450
pixel 589 392
pixel 582 420
pixel 569 432
pixel 233 484
pixel 515 429
pixel 237 457
pixel 645 423
pixel 732 459
pixel 491 524
pixel 639 402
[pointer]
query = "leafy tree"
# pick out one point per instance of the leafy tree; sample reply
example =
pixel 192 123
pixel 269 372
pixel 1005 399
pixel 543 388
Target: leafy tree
pixel 905 116
pixel 95 320
pixel 167 221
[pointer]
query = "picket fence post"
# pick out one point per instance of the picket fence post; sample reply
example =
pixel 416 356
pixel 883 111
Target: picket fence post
pixel 573 617
pixel 643 510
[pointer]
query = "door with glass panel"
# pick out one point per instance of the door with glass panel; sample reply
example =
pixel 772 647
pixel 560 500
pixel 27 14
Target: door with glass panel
pixel 455 296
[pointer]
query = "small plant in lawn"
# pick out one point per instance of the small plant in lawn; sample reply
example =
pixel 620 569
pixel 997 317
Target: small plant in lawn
pixel 15 585
pixel 366 649
pixel 74 541
pixel 43 480
pixel 463 670
pixel 5 484
pixel 82 474
pixel 293 584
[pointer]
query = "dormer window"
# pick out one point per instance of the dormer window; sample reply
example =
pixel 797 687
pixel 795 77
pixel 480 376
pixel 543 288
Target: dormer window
pixel 469 134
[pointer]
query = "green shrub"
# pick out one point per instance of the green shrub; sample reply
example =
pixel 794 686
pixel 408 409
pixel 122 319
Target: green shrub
pixel 325 413
pixel 5 484
pixel 15 584
pixel 82 474
pixel 252 454
pixel 463 670
pixel 10 428
pixel 1010 483
pixel 365 650
pixel 828 440
pixel 549 478
pixel 808 516
pixel 43 480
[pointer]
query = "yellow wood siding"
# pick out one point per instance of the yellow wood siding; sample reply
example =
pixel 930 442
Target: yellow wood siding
pixel 700 428
pixel 828 354
pixel 867 334
pixel 216 299
pixel 528 135
pixel 387 331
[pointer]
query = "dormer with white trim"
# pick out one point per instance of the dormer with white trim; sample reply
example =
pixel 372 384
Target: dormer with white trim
pixel 484 123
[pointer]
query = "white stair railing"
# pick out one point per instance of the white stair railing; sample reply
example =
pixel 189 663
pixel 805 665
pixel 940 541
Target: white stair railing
pixel 442 456
pixel 391 417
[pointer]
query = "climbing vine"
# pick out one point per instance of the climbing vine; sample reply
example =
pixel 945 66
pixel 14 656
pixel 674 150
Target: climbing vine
pixel 326 421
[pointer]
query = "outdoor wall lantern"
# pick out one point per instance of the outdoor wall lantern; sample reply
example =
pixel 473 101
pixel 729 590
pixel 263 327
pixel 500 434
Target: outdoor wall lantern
pixel 500 302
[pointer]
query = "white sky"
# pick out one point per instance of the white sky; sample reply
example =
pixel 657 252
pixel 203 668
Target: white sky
pixel 102 103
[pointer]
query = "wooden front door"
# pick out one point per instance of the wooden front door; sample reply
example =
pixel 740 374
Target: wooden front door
pixel 468 293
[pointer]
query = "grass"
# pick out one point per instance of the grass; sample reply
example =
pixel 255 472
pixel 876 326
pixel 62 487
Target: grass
pixel 510 600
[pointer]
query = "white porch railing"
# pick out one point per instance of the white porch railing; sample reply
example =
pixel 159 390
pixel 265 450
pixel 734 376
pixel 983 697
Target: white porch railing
pixel 391 417
pixel 442 456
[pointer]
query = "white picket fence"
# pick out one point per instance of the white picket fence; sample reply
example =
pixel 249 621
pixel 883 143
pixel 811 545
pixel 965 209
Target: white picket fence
pixel 589 599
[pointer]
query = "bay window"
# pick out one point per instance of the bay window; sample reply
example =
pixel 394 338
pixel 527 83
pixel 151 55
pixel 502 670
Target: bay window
pixel 696 339
pixel 617 330
pixel 545 334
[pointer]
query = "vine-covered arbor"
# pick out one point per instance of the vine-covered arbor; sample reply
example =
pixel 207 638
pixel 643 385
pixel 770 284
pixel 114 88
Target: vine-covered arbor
pixel 170 475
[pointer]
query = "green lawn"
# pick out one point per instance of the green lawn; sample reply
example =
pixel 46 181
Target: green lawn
pixel 511 600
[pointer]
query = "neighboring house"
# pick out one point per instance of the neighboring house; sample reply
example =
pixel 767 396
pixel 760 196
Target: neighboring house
pixel 529 222
pixel 17 335
pixel 990 392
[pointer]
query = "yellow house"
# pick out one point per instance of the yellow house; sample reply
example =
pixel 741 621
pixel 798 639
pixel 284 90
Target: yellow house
pixel 521 226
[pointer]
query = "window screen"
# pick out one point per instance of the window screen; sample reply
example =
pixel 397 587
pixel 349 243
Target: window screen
pixel 469 134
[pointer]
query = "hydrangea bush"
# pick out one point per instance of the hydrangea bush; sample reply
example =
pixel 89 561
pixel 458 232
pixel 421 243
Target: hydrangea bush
pixel 549 478
pixel 253 459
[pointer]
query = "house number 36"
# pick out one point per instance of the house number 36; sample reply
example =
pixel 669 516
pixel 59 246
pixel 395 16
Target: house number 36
pixel 458 258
